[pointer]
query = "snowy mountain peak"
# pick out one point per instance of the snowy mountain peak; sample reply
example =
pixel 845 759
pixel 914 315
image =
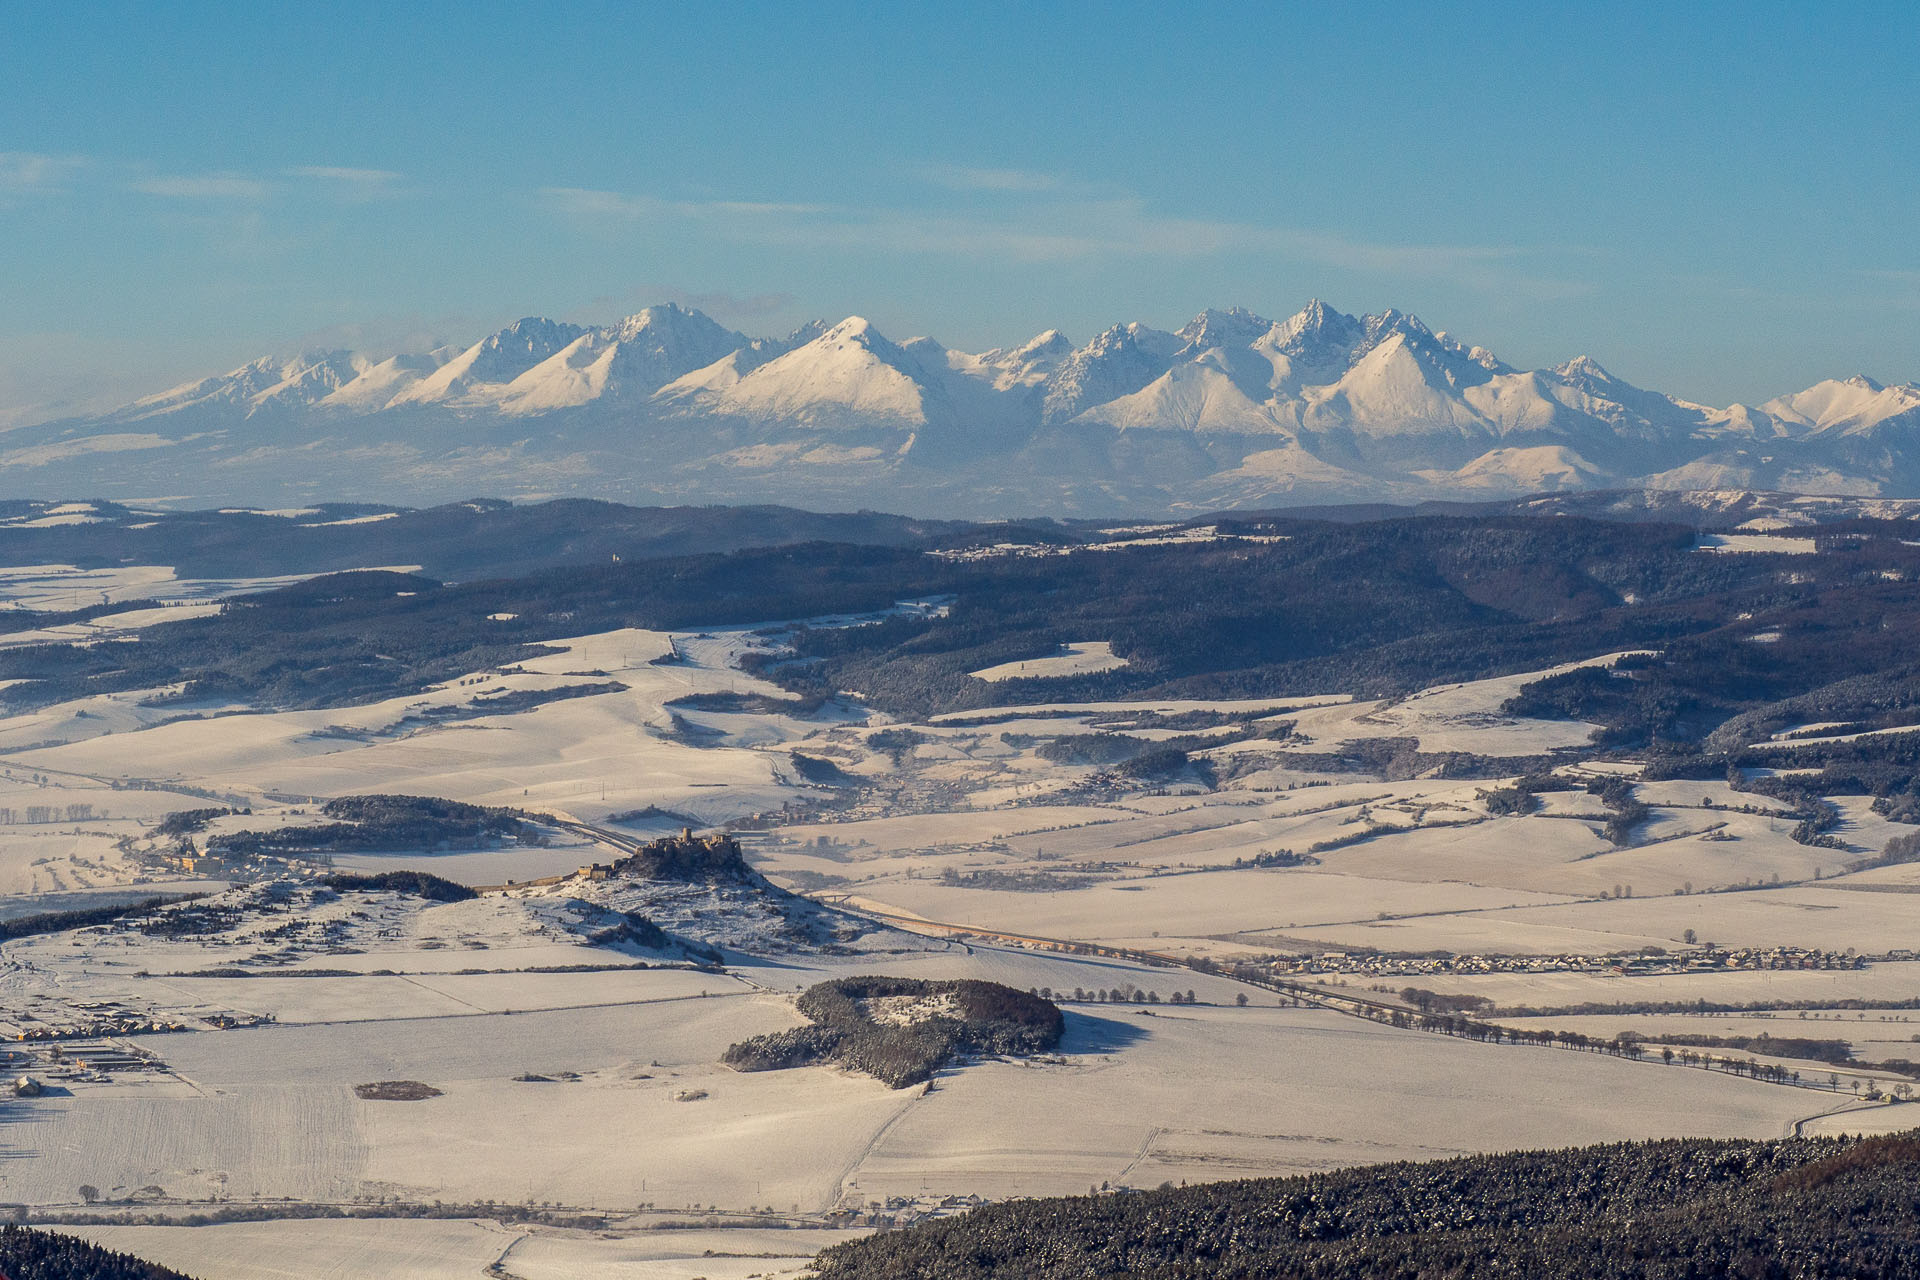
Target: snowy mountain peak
pixel 1315 315
pixel 495 360
pixel 1051 344
pixel 279 383
pixel 1133 336
pixel 1117 362
pixel 1851 406
pixel 1231 409
pixel 530 332
pixel 853 329
pixel 505 355
pixel 1234 327
pixel 1316 325
pixel 1394 321
pixel 850 376
pixel 667 318
pixel 857 333
pixel 631 359
pixel 1584 369
pixel 1026 366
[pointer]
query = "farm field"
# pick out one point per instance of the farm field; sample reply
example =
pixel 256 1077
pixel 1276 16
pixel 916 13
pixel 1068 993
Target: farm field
pixel 1072 660
pixel 1222 1092
pixel 1293 841
pixel 1187 1093
pixel 1790 988
pixel 458 1249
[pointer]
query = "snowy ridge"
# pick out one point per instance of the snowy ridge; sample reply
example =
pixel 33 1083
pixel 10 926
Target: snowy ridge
pixel 1232 408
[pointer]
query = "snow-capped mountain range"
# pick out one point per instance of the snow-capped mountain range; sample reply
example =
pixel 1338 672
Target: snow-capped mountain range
pixel 1232 410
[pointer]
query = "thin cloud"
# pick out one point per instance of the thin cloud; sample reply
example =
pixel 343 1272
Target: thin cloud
pixel 1076 229
pixel 588 202
pixel 386 335
pixel 956 177
pixel 347 185
pixel 760 207
pixel 585 202
pixel 332 181
pixel 351 177
pixel 730 308
pixel 212 186
pixel 24 173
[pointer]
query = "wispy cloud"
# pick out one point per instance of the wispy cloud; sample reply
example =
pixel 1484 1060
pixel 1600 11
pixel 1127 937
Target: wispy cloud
pixel 29 173
pixel 207 186
pixel 957 177
pixel 341 173
pixel 333 183
pixel 729 308
pixel 385 335
pixel 1067 228
pixel 614 204
pixel 349 185
pixel 1909 279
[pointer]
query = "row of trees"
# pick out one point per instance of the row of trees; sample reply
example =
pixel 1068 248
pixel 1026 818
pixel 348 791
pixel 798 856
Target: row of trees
pixel 37 813
pixel 1117 995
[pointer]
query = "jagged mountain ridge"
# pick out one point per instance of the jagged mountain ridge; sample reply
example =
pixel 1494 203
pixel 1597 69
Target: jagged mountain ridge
pixel 1232 409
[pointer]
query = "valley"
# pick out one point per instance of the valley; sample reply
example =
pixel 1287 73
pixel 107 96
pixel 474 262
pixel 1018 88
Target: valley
pixel 1306 926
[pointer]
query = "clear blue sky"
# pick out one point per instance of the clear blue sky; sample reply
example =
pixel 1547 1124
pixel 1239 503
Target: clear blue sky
pixel 1717 201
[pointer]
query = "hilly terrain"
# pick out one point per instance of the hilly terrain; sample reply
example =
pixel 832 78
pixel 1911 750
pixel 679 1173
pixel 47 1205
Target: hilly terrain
pixel 1670 1209
pixel 1233 410
pixel 572 888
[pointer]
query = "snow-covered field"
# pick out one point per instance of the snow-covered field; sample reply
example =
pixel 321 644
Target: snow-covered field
pixel 458 1249
pixel 53 587
pixel 106 626
pixel 588 756
pixel 1257 848
pixel 1757 543
pixel 1456 717
pixel 1207 1093
pixel 1072 660
pixel 1187 1092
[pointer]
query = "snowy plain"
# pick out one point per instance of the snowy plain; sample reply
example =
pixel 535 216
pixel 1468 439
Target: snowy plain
pixel 963 828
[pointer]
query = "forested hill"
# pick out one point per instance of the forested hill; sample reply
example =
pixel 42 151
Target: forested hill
pixel 461 540
pixel 491 538
pixel 1251 609
pixel 27 1254
pixel 1789 1210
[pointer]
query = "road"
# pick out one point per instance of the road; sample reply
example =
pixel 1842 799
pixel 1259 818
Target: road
pixel 1378 1012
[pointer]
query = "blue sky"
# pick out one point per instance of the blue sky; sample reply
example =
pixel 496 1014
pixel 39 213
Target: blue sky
pixel 1720 203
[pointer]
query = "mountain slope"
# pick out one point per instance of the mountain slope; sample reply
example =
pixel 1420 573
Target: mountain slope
pixel 495 360
pixel 1232 408
pixel 848 376
pixel 632 359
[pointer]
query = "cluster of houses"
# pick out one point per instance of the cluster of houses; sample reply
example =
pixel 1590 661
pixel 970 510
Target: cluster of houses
pixel 62 1021
pixel 92 1061
pixel 28 1028
pixel 185 858
pixel 1706 959
pixel 903 1211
